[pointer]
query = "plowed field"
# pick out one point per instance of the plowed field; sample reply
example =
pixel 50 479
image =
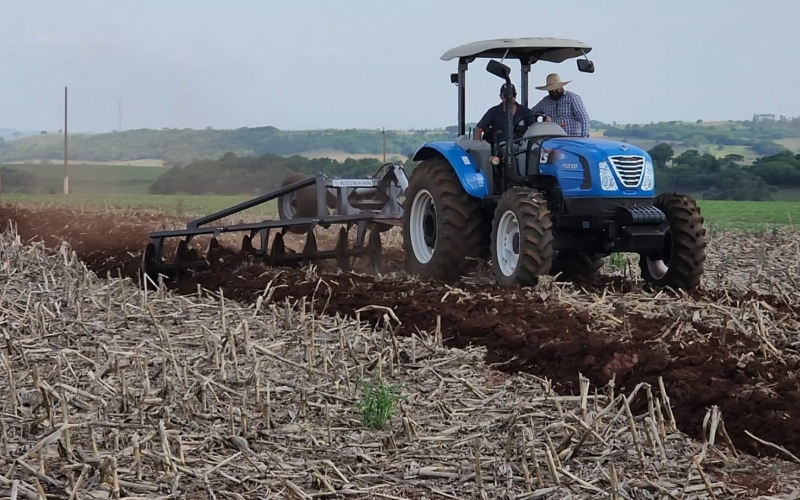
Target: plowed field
pixel 732 343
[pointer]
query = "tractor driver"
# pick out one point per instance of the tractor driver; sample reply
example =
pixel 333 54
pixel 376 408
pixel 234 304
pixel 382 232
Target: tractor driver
pixel 496 120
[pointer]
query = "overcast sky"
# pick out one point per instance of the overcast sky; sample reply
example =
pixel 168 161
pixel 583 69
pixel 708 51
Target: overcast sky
pixel 375 63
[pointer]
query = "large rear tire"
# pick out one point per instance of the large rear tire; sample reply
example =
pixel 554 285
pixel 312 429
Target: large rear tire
pixel 680 263
pixel 522 237
pixel 443 230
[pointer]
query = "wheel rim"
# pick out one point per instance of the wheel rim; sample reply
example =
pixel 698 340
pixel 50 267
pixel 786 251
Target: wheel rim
pixel 659 266
pixel 507 243
pixel 422 222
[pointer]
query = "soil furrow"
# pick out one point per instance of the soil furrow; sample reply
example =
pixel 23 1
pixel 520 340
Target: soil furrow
pixel 718 367
pixel 545 339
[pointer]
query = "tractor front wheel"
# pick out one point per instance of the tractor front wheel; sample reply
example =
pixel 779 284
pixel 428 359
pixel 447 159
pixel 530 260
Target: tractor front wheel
pixel 522 238
pixel 443 231
pixel 680 263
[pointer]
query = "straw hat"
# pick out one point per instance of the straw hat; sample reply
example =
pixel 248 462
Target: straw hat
pixel 553 82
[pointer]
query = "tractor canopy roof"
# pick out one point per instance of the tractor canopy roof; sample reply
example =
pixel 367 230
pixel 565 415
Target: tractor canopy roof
pixel 534 49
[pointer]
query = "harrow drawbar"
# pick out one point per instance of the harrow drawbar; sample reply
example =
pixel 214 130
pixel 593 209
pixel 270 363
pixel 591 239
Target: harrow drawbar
pixel 371 206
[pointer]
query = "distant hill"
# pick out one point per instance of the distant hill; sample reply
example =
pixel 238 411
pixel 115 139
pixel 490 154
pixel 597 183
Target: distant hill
pixel 10 134
pixel 181 146
pixel 749 139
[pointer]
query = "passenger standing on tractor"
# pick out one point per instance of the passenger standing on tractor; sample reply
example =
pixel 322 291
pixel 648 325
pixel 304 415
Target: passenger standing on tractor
pixel 496 120
pixel 563 107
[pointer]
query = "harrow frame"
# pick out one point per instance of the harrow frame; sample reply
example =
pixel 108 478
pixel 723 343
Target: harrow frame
pixel 380 194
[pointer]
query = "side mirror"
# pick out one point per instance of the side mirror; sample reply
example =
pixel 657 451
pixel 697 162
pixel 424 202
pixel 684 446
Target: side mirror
pixel 498 69
pixel 585 66
pixel 454 78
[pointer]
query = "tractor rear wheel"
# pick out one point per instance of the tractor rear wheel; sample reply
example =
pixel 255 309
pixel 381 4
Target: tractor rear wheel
pixel 522 237
pixel 680 263
pixel 443 231
pixel 577 265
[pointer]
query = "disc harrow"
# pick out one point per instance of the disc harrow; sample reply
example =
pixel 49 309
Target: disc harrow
pixel 370 205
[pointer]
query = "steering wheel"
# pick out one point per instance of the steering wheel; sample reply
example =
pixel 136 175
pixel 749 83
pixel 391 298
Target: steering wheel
pixel 518 125
pixel 518 129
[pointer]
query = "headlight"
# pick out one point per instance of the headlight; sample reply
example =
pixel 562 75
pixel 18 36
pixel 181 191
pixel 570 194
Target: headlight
pixel 649 177
pixel 607 180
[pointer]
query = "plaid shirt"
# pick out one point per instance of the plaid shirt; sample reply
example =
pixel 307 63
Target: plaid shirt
pixel 569 109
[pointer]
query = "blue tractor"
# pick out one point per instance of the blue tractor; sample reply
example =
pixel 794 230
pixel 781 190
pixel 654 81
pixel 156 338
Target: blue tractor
pixel 542 202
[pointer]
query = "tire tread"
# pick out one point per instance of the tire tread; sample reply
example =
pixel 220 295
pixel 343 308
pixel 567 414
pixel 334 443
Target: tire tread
pixel 461 235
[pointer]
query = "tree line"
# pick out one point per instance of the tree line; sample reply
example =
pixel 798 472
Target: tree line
pixel 727 178
pixel 235 175
pixel 759 136
pixel 182 146
pixel 724 178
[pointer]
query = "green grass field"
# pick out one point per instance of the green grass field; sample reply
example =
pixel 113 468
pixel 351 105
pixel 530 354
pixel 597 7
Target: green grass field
pixel 792 144
pixel 720 215
pixel 780 195
pixel 750 215
pixel 109 180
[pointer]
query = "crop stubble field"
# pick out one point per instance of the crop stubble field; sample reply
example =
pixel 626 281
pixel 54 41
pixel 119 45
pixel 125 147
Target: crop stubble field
pixel 246 381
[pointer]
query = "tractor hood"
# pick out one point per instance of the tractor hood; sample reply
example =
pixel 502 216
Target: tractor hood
pixel 598 167
pixel 600 149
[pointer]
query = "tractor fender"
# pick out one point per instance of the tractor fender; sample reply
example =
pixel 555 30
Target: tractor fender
pixel 463 162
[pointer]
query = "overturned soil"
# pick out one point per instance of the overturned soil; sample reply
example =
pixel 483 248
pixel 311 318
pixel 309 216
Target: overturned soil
pixel 520 333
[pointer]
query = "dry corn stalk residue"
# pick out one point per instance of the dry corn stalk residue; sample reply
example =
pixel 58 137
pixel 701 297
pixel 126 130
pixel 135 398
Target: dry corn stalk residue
pixel 262 383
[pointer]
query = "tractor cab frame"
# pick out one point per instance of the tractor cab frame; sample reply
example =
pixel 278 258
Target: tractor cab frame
pixel 528 51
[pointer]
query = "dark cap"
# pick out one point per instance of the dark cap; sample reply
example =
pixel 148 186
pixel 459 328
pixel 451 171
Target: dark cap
pixel 513 89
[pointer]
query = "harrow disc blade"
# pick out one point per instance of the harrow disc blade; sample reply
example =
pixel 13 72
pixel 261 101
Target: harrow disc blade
pixel 310 249
pixel 181 257
pixel 247 251
pixel 343 260
pixel 187 259
pixel 278 253
pixel 213 252
pixel 150 267
pixel 375 249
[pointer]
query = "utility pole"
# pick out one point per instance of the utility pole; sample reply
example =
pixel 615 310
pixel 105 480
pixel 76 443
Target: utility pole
pixel 384 144
pixel 66 176
pixel 120 115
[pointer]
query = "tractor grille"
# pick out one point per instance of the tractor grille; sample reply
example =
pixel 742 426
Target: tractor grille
pixel 629 169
